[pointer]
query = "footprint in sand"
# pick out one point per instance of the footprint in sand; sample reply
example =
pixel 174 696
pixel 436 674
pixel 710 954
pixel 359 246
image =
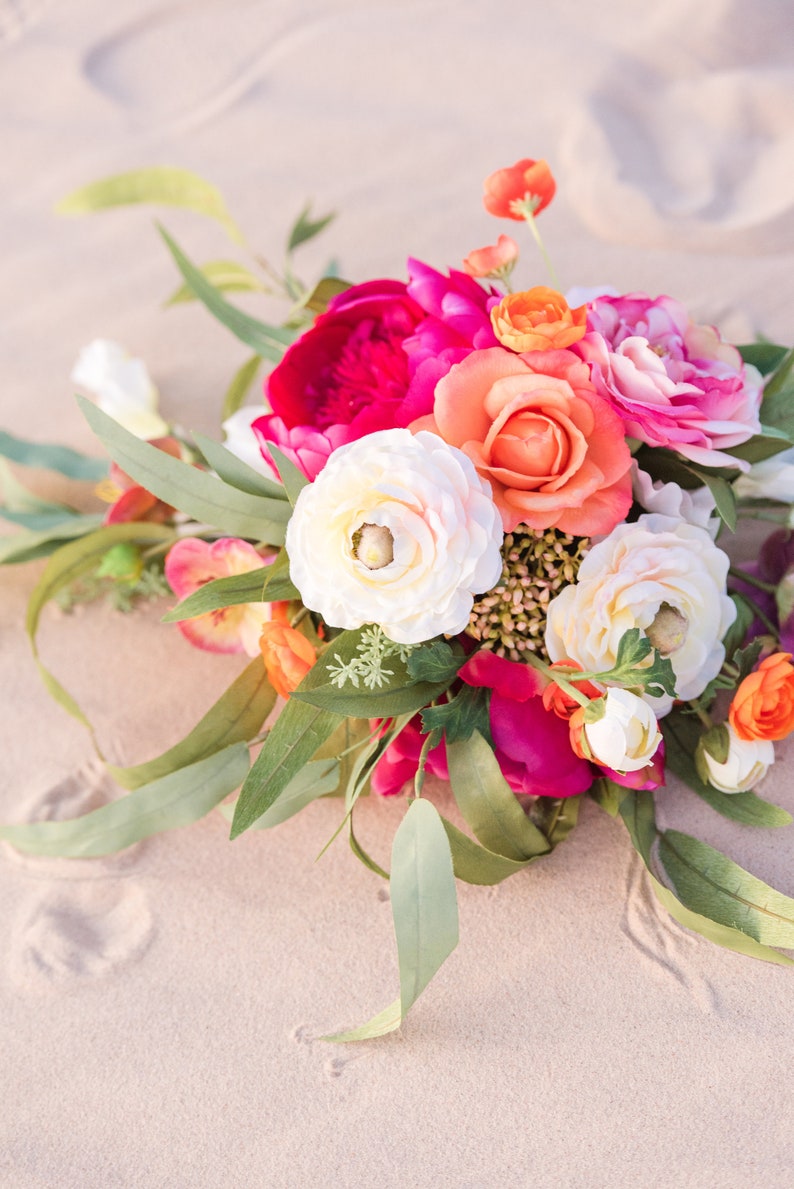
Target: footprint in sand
pixel 689 149
pixel 88 918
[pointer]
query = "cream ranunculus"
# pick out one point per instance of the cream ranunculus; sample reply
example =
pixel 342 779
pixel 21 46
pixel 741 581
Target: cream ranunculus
pixel 626 737
pixel 746 763
pixel 656 573
pixel 399 530
pixel 122 385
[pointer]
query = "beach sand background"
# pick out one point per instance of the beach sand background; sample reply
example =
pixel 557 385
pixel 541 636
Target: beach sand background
pixel 161 1010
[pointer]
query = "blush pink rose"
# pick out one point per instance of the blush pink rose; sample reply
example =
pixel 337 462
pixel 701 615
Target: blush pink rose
pixel 552 449
pixel 674 383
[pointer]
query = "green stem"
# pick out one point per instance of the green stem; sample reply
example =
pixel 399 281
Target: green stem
pixel 419 778
pixel 557 676
pixel 751 580
pixel 533 227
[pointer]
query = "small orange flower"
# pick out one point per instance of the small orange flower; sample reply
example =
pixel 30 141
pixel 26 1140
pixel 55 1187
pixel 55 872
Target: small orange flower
pixel 556 699
pixel 287 654
pixel 763 705
pixel 497 258
pixel 537 320
pixel 527 186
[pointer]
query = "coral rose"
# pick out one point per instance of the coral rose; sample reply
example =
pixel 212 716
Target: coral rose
pixel 287 654
pixel 535 428
pixel 763 705
pixel 526 187
pixel 536 320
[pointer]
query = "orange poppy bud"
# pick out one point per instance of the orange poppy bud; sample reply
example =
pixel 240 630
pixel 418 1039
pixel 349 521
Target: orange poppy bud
pixel 526 187
pixel 496 258
pixel 287 654
pixel 537 320
pixel 555 698
pixel 763 705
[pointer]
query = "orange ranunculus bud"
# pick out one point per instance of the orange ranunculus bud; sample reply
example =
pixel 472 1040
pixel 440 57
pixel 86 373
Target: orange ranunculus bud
pixel 555 697
pixel 527 186
pixel 537 320
pixel 763 705
pixel 287 654
pixel 497 258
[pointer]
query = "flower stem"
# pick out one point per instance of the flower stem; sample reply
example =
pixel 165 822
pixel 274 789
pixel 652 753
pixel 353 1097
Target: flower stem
pixel 751 580
pixel 419 778
pixel 557 676
pixel 533 227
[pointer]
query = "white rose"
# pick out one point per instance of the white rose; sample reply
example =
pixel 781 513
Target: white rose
pixel 241 440
pixel 627 736
pixel 747 762
pixel 657 566
pixel 696 506
pixel 772 479
pixel 399 530
pixel 122 385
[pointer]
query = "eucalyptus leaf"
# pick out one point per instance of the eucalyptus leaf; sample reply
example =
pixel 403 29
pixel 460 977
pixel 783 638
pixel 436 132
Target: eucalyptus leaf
pixel 423 898
pixel 200 495
pixel 236 717
pixel 361 854
pixel 474 864
pixel 709 883
pixel 240 385
pixel 296 735
pixel 268 341
pixel 235 472
pixel 52 458
pixel 21 545
pixel 163 185
pixel 488 803
pixel 226 275
pixel 18 498
pixel 176 800
pixel 386 1021
pixel 254 586
pixel 291 476
pixel 305 228
pixel 315 779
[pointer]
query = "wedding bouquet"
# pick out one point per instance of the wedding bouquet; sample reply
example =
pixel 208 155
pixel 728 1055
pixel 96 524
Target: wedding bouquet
pixel 474 532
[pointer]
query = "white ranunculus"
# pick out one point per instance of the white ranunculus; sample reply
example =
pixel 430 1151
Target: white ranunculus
pixel 695 506
pixel 398 530
pixel 772 479
pixel 122 386
pixel 627 736
pixel 241 440
pixel 748 760
pixel 656 564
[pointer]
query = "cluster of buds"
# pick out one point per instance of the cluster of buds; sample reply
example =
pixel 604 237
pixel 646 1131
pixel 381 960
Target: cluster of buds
pixel 510 619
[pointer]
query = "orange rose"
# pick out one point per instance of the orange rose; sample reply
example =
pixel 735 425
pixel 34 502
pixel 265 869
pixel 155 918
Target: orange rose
pixel 536 320
pixel 497 258
pixel 763 705
pixel 552 449
pixel 525 186
pixel 287 654
pixel 561 703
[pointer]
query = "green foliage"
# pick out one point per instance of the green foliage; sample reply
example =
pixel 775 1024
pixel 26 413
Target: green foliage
pixel 240 385
pixel 467 711
pixel 235 472
pixel 291 476
pixel 434 661
pixel 631 667
pixel 176 800
pixel 315 779
pixel 52 458
pixel 205 498
pixel 226 275
pixel 765 356
pixel 162 185
pixel 305 228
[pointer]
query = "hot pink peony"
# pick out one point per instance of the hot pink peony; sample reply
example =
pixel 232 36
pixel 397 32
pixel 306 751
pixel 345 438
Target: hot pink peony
pixel 308 448
pixel 674 383
pixel 531 743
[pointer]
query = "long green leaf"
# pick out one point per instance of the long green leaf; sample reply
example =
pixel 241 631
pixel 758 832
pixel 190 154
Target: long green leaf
pixel 488 803
pixel 764 445
pixel 305 228
pixel 384 1022
pixel 237 473
pixel 240 385
pixel 70 563
pixel 236 717
pixel 207 499
pixel 176 800
pixel 268 341
pixel 52 458
pixel 474 864
pixel 711 884
pixel 291 476
pixel 638 815
pixel 255 586
pixel 423 898
pixel 777 380
pixel 295 737
pixel 21 545
pixel 226 275
pixel 765 356
pixel 315 779
pixel 162 185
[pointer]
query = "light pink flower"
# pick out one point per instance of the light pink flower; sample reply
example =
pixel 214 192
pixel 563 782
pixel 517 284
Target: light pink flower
pixel 674 383
pixel 191 563
pixel 497 258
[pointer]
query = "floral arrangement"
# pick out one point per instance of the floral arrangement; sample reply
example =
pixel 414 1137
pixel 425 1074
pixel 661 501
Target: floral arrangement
pixel 475 532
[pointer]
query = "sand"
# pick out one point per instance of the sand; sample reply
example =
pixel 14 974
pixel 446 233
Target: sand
pixel 161 1009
